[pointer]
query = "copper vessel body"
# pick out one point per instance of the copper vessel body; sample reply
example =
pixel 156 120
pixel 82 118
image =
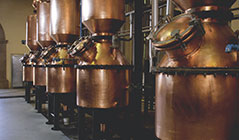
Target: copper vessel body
pixel 187 4
pixel 103 87
pixel 27 73
pixel 61 79
pixel 196 106
pixel 31 33
pixel 65 20
pixel 60 74
pixel 43 36
pixel 39 74
pixel 103 17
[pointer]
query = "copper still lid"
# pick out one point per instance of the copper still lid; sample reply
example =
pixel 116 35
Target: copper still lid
pixel 31 33
pixel 100 52
pixel 65 20
pixel 103 17
pixel 186 4
pixel 176 33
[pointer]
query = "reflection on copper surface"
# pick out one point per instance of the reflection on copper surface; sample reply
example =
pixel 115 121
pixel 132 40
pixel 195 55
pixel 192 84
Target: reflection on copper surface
pixel 39 73
pixel 101 87
pixel 60 79
pixel 193 106
pixel 103 17
pixel 27 74
pixel 65 19
pixel 31 33
pixel 43 27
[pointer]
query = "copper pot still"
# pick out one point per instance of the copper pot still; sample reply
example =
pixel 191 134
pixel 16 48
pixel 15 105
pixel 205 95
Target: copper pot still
pixel 65 21
pixel 60 71
pixel 103 74
pixel 192 104
pixel 31 43
pixel 43 36
pixel 43 39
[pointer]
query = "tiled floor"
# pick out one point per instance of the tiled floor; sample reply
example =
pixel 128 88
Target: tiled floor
pixel 19 121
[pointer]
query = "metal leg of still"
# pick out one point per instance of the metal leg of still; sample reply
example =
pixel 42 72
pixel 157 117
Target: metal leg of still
pixel 40 97
pixel 103 124
pixel 54 104
pixel 28 86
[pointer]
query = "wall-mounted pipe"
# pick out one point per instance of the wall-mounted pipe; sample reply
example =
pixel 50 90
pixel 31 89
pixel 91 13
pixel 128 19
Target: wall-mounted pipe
pixel 154 23
pixel 169 8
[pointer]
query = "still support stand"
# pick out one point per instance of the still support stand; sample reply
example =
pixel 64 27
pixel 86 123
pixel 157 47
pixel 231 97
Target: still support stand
pixel 28 86
pixel 40 97
pixel 54 107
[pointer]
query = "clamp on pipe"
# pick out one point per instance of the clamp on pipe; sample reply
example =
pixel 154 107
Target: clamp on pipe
pixel 232 47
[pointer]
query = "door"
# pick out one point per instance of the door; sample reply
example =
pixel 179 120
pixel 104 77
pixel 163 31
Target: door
pixel 16 71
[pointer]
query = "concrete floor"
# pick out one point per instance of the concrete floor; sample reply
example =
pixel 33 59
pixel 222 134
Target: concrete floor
pixel 19 121
pixel 11 93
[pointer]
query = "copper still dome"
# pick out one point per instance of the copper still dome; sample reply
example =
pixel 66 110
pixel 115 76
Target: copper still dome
pixel 60 71
pixel 103 74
